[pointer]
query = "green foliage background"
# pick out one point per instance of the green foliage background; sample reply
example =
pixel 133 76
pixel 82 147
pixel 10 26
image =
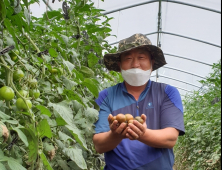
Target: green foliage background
pixel 62 119
pixel 56 133
pixel 200 148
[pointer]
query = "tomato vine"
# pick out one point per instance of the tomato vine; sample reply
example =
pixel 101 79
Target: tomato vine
pixel 200 148
pixel 56 73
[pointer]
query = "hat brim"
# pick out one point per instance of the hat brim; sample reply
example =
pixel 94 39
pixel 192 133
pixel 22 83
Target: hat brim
pixel 111 60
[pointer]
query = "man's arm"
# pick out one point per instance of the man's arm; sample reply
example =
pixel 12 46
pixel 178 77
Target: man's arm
pixel 108 141
pixel 163 138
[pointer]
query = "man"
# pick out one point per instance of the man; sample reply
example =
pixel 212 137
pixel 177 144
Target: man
pixel 136 146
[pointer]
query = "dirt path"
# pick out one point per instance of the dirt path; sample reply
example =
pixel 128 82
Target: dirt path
pixel 174 167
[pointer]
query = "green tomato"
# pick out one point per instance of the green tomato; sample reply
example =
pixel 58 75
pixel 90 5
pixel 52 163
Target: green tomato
pixel 20 104
pixel 53 71
pixel 18 75
pixel 33 83
pixel 24 93
pixel 7 93
pixel 34 93
pixel 14 54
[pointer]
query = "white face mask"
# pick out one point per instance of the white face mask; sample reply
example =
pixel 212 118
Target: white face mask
pixel 136 77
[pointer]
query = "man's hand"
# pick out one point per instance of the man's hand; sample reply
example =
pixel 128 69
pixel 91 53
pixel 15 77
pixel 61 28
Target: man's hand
pixel 136 130
pixel 116 128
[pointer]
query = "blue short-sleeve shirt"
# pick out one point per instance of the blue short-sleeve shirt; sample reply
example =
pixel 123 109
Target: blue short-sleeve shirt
pixel 162 105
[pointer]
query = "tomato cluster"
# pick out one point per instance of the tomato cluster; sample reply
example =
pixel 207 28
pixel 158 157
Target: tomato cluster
pixel 23 96
pixel 13 55
pixel 127 118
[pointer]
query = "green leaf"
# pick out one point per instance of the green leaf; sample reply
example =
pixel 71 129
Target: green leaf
pixel 47 86
pixel 92 87
pixel 33 145
pixel 65 39
pixel 77 135
pixel 65 137
pixel 58 37
pixel 14 122
pixel 2 167
pixel 4 116
pixel 1 154
pixel 44 110
pixel 73 96
pixel 2 10
pixel 60 144
pixel 11 31
pixel 13 164
pixel 69 65
pixel 64 111
pixel 44 129
pixel 17 9
pixel 26 3
pixel 85 120
pixel 45 161
pixel 53 52
pixel 87 72
pixel 91 115
pixel 63 164
pixel 75 155
pixel 74 166
pixel 76 105
pixel 10 41
pixel 92 60
pixel 69 84
pixel 22 136
pixel 60 121
pixel 52 14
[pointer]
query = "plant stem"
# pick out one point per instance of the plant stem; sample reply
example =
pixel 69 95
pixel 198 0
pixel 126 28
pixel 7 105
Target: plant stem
pixel 38 51
pixel 14 88
pixel 79 40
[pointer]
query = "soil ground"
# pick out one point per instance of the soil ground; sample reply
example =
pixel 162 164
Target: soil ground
pixel 174 167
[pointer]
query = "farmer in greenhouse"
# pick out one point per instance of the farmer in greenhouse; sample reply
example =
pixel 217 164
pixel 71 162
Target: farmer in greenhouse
pixel 144 143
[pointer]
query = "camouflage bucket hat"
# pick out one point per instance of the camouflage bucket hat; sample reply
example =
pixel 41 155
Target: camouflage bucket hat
pixel 135 41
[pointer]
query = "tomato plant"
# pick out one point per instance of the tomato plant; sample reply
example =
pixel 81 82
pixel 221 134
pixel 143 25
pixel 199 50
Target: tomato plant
pixel 200 148
pixel 61 59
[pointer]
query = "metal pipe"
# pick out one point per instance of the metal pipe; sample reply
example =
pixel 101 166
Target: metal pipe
pixel 178 35
pixel 198 61
pixel 159 29
pixel 153 1
pixel 179 81
pixel 183 89
pixel 176 69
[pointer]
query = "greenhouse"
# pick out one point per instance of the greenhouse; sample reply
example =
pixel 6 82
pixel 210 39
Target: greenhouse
pixel 74 72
